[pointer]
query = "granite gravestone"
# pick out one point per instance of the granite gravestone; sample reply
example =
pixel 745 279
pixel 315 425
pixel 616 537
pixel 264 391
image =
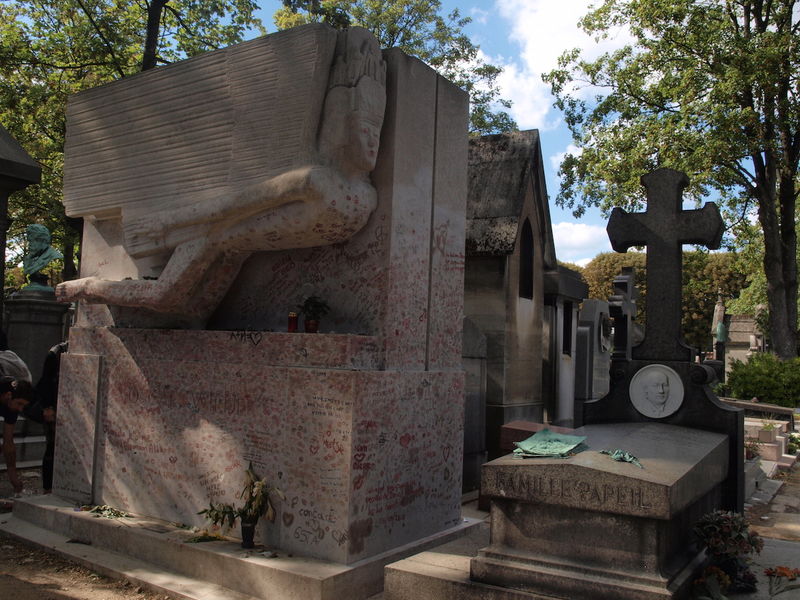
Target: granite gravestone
pixel 689 402
pixel 588 526
pixel 361 429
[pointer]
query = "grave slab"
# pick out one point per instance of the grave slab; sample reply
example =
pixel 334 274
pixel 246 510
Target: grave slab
pixel 589 526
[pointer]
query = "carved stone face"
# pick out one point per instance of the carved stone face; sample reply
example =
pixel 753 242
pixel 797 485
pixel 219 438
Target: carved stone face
pixel 364 138
pixel 656 391
pixel 656 388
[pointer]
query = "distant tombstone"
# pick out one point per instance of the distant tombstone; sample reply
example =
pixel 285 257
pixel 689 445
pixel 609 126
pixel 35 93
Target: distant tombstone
pixel 622 308
pixel 593 354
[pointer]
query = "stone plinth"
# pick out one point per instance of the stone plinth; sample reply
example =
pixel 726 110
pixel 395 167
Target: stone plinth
pixel 161 422
pixel 35 323
pixel 590 527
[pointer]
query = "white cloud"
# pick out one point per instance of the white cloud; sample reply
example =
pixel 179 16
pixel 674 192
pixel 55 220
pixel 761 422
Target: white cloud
pixel 479 15
pixel 579 242
pixel 543 29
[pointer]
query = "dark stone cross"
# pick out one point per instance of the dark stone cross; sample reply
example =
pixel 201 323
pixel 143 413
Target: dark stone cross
pixel 664 228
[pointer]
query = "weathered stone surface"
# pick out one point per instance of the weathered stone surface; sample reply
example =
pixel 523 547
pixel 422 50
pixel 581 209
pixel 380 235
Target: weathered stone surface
pixel 593 351
pixel 35 322
pixel 680 465
pixel 664 228
pixel 369 460
pixel 509 247
pixel 362 430
pixel 589 526
pixel 201 228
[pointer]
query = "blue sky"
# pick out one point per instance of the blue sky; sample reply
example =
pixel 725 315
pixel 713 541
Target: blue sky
pixel 526 37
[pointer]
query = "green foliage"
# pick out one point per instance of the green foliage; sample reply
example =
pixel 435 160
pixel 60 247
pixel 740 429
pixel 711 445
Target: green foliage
pixel 727 535
pixel 51 49
pixel 708 88
pixel 314 308
pixel 257 503
pixel 705 275
pixel 729 544
pixel 599 273
pixel 418 28
pixel 767 378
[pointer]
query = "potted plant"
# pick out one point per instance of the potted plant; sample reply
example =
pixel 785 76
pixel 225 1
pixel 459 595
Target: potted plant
pixel 313 309
pixel 768 433
pixel 729 542
pixel 751 448
pixel 257 503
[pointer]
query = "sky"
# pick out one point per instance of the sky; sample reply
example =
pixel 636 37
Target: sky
pixel 526 37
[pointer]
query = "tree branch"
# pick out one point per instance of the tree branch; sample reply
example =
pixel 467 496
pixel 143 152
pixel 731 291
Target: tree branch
pixel 103 38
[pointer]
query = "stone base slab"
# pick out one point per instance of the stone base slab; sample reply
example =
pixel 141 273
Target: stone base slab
pixel 131 547
pixel 568 579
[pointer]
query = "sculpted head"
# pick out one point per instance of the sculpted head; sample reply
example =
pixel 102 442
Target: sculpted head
pixel 38 237
pixel 354 105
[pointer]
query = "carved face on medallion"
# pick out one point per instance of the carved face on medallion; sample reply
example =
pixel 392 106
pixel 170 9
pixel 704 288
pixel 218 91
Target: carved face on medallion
pixel 656 391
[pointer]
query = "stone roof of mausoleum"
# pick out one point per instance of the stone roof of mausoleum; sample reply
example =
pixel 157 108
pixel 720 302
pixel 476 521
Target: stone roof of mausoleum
pixel 501 167
pixel 16 165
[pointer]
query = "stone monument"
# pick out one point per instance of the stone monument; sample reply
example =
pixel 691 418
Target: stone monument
pixel 662 360
pixel 587 526
pixel 593 351
pixel 306 162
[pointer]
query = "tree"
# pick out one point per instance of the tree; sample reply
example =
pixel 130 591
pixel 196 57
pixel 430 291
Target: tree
pixel 705 276
pixel 417 28
pixel 710 88
pixel 50 49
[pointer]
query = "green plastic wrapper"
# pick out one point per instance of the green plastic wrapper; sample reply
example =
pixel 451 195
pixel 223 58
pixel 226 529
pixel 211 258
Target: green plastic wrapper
pixel 622 456
pixel 547 444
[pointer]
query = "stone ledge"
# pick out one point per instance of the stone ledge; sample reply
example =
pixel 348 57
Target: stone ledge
pixel 161 547
pixel 680 465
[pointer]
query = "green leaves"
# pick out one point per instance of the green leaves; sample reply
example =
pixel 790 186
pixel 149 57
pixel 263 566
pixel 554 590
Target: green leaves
pixel 51 49
pixel 709 88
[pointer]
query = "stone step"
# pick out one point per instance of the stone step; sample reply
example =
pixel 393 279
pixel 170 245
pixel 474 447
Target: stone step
pixel 165 546
pixel 111 564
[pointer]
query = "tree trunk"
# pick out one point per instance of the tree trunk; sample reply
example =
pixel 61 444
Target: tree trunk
pixel 154 12
pixel 780 268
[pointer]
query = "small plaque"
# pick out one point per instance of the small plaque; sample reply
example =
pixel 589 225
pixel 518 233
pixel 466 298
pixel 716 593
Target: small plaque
pixel 656 391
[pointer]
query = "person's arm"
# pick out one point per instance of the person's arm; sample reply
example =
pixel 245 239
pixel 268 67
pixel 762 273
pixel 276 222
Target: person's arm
pixel 10 454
